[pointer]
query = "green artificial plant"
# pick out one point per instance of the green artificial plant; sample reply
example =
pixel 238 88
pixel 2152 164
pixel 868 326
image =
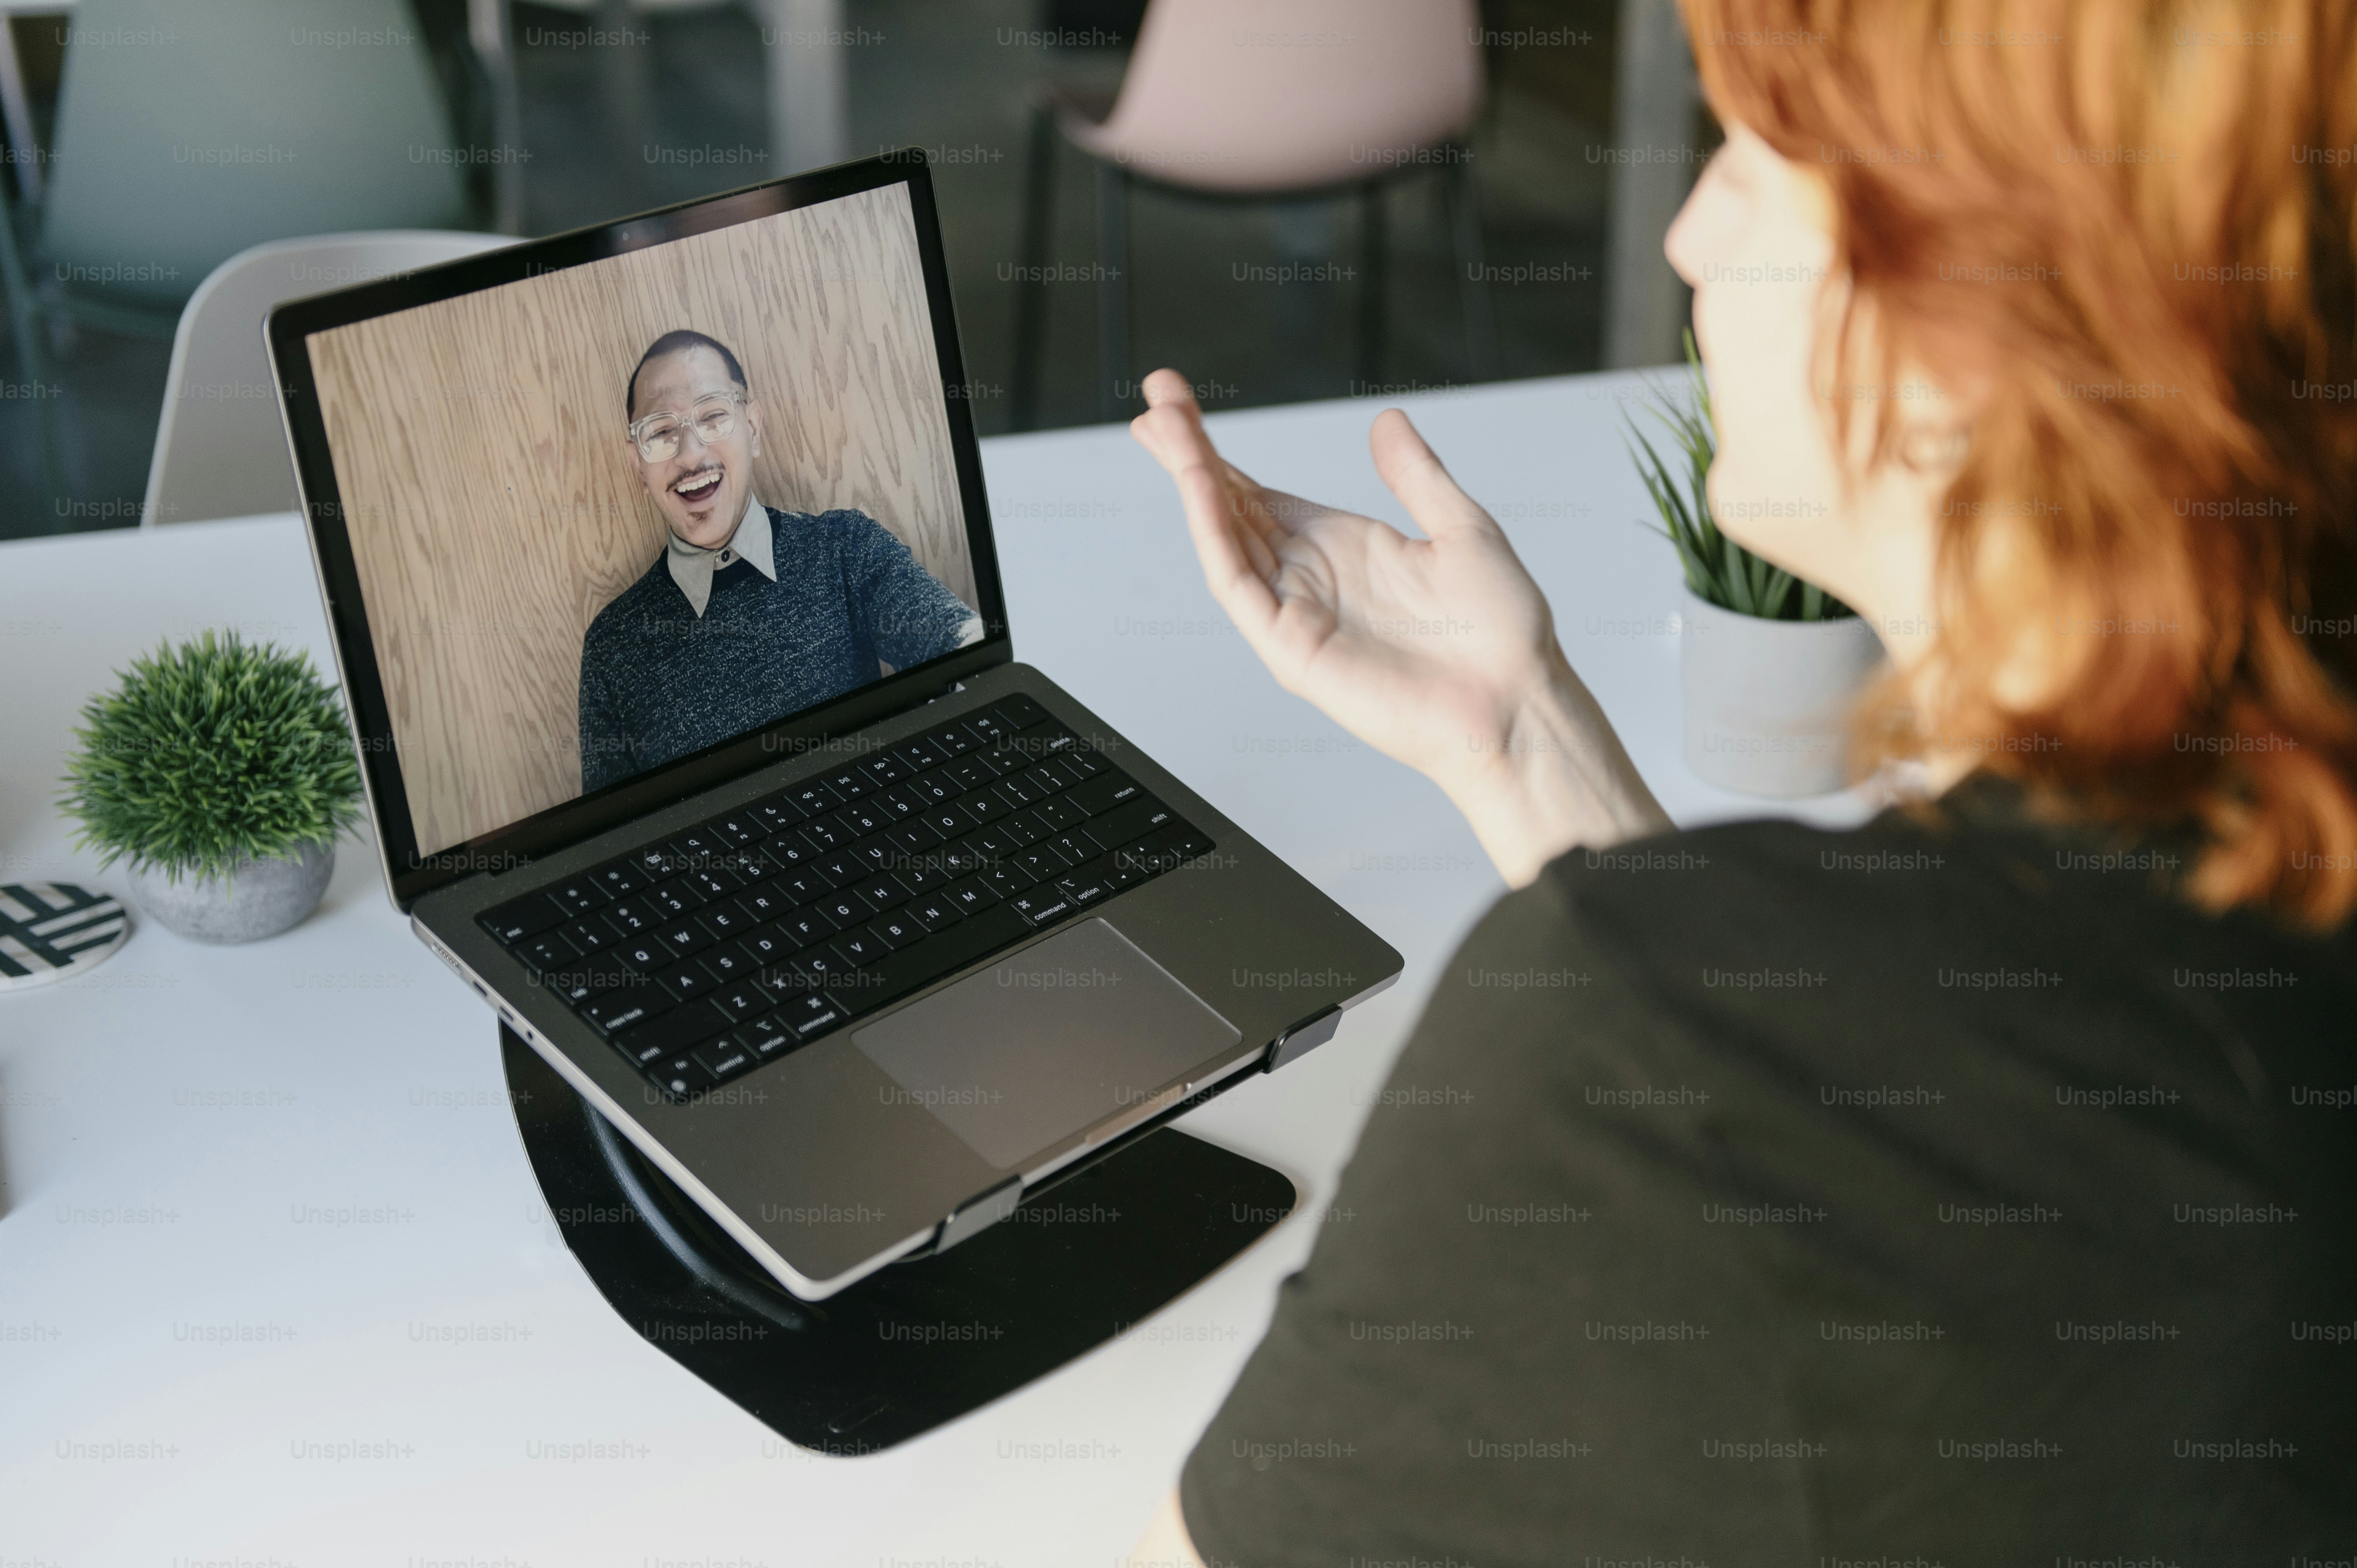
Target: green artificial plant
pixel 1717 569
pixel 211 752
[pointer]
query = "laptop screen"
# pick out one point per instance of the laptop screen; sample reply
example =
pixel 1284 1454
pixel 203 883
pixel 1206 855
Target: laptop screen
pixel 608 515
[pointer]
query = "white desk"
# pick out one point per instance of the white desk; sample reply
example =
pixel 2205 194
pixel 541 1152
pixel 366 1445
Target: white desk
pixel 187 1319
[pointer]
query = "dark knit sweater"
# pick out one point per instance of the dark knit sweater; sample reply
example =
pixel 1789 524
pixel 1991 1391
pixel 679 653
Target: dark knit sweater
pixel 1764 1198
pixel 659 681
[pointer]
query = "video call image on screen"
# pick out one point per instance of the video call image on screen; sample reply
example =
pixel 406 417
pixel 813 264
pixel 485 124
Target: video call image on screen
pixel 612 515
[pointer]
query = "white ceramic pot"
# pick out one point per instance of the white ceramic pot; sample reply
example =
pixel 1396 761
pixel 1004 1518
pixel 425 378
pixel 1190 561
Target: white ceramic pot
pixel 1768 702
pixel 260 898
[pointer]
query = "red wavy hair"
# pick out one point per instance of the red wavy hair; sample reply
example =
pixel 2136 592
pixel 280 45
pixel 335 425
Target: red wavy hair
pixel 2122 232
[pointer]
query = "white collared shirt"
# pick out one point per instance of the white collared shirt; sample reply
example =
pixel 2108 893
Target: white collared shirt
pixel 692 565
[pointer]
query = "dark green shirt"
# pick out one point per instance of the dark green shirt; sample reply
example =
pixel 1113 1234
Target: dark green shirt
pixel 1922 1194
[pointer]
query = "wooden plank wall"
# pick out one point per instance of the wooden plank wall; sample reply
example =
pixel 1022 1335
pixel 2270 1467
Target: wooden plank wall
pixel 479 449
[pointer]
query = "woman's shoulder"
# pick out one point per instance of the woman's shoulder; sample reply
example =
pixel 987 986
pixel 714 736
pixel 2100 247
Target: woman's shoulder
pixel 1978 859
pixel 1975 907
pixel 1773 882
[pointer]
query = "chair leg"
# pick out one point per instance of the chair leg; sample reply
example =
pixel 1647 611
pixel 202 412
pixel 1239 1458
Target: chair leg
pixel 1472 270
pixel 28 320
pixel 1370 287
pixel 491 30
pixel 1032 287
pixel 17 116
pixel 623 75
pixel 1114 391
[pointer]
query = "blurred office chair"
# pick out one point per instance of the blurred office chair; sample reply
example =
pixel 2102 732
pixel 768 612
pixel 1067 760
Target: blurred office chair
pixel 185 134
pixel 221 447
pixel 1269 100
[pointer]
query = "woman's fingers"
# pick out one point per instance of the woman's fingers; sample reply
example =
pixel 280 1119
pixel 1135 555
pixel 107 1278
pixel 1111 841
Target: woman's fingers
pixel 1415 475
pixel 1172 429
pixel 1239 583
pixel 1176 441
pixel 1172 425
pixel 1166 386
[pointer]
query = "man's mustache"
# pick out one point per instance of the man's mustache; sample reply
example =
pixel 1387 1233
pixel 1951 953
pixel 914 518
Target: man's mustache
pixel 690 481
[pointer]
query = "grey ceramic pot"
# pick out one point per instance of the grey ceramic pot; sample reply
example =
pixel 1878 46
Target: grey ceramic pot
pixel 260 898
pixel 1768 702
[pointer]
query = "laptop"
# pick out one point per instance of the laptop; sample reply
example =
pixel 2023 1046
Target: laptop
pixel 663 593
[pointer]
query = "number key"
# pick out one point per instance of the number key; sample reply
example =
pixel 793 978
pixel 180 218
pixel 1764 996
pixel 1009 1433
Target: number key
pixel 866 818
pixel 629 916
pixel 714 883
pixel 936 788
pixel 674 899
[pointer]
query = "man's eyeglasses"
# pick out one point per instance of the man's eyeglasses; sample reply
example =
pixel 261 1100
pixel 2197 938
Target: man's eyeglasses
pixel 713 418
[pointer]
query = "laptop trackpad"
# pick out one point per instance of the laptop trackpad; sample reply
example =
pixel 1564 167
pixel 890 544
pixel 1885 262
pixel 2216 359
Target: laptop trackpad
pixel 1055 1039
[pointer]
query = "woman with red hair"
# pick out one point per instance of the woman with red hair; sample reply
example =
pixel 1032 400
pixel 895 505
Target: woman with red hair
pixel 2000 1211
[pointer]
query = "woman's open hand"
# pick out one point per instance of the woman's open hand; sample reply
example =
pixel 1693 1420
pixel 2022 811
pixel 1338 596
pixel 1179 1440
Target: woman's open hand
pixel 1438 651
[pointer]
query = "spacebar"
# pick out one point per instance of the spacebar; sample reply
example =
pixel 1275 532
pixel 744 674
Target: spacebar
pixel 943 954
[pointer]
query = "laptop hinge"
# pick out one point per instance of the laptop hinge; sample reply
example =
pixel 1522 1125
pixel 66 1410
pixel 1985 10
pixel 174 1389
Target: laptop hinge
pixel 922 697
pixel 1303 1038
pixel 980 1213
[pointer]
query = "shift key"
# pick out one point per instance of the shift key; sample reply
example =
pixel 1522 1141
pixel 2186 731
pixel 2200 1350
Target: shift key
pixel 1133 820
pixel 690 1024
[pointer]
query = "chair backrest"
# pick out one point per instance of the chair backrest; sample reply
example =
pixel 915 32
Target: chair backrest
pixel 221 447
pixel 1293 94
pixel 186 132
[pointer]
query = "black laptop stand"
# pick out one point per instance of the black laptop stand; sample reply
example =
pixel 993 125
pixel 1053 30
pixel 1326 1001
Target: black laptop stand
pixel 1086 1256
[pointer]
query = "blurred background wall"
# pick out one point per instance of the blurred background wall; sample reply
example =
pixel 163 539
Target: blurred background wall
pixel 553 118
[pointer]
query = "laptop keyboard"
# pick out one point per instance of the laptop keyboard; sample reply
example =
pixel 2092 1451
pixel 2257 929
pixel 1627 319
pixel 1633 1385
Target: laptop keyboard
pixel 729 946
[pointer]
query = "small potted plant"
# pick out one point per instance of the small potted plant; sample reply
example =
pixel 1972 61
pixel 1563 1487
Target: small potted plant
pixel 221 773
pixel 1770 665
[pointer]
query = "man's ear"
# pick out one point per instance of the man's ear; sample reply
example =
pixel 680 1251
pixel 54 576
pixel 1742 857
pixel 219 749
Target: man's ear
pixel 753 418
pixel 630 456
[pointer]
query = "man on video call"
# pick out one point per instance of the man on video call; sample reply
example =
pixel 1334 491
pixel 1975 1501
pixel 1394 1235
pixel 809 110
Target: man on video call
pixel 751 612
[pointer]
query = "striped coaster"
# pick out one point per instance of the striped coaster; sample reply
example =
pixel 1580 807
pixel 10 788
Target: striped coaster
pixel 50 929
